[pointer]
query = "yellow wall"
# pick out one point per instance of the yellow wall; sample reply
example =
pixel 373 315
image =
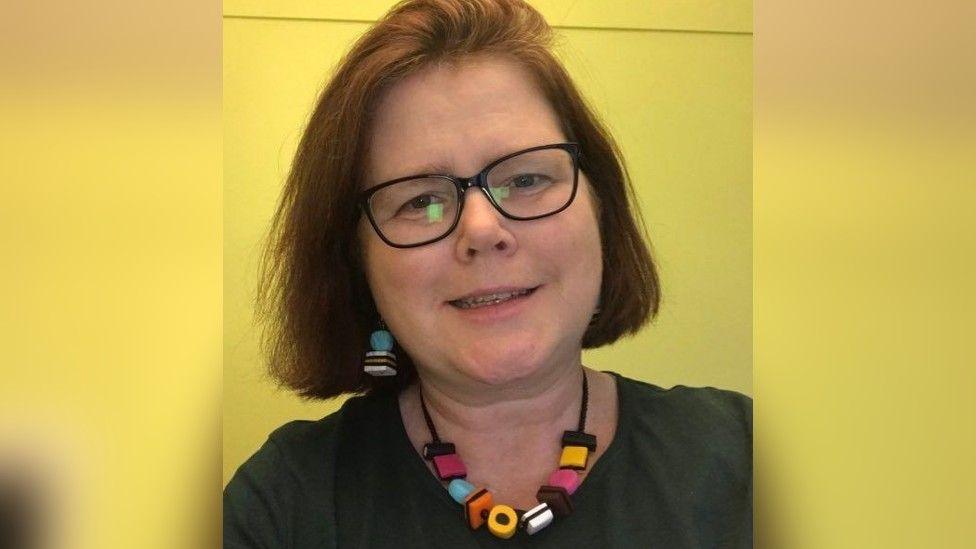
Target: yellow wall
pixel 672 79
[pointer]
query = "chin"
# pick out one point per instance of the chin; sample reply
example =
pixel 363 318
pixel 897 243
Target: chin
pixel 500 366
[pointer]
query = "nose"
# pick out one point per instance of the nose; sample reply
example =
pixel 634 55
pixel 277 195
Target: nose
pixel 482 229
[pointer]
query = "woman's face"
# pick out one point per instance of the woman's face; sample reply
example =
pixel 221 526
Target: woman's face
pixel 456 120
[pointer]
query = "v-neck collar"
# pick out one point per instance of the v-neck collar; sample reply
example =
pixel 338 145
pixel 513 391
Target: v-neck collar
pixel 416 467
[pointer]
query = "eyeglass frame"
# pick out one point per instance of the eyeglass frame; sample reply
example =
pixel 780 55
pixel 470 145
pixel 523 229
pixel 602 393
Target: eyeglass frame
pixel 462 184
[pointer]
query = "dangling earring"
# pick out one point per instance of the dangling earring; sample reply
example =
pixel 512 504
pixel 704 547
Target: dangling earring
pixel 380 362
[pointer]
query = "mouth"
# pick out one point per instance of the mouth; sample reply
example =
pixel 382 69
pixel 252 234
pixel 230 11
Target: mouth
pixel 489 299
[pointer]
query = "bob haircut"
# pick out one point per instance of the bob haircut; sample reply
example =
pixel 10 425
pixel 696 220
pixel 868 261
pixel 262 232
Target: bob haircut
pixel 313 298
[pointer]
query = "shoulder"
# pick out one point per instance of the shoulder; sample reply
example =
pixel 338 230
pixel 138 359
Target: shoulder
pixel 704 422
pixel 699 408
pixel 303 449
pixel 694 445
pixel 283 491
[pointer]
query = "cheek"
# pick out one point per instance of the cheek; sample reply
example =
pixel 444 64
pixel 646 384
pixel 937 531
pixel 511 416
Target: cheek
pixel 571 246
pixel 586 248
pixel 378 264
pixel 402 281
pixel 586 213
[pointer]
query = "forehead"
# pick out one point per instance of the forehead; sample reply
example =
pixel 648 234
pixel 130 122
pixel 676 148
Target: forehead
pixel 457 118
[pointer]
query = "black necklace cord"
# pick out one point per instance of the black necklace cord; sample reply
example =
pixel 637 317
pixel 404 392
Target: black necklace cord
pixel 430 422
pixel 586 398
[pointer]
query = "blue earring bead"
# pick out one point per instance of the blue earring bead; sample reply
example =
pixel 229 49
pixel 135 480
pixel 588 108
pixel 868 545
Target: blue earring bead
pixel 380 362
pixel 381 340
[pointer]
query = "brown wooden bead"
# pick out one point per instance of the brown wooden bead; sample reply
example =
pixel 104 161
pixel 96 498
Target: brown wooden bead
pixel 579 438
pixel 557 498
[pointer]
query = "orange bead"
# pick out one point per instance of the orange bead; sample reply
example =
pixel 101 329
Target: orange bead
pixel 477 507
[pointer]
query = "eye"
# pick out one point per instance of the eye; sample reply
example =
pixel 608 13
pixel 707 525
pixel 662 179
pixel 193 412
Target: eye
pixel 525 180
pixel 528 184
pixel 421 206
pixel 420 202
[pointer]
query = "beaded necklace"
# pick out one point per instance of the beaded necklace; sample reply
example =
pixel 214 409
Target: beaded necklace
pixel 503 520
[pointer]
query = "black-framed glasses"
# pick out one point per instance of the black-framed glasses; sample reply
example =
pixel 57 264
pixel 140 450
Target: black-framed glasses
pixel 420 209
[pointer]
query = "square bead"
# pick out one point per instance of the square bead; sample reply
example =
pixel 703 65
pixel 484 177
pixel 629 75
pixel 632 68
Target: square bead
pixel 579 438
pixel 433 449
pixel 449 466
pixel 537 518
pixel 574 457
pixel 557 499
pixel 477 507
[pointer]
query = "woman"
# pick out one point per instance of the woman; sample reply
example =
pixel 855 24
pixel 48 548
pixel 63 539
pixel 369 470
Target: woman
pixel 455 230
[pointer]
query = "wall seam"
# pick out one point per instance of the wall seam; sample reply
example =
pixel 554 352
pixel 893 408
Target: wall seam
pixel 558 27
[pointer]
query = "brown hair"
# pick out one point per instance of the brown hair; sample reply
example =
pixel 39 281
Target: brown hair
pixel 313 297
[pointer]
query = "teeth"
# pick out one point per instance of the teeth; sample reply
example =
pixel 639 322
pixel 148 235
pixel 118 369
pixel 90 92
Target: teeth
pixel 485 300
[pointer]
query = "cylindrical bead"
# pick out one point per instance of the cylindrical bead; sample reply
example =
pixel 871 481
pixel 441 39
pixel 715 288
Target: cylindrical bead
pixel 381 340
pixel 537 518
pixel 567 478
pixel 460 489
pixel 502 521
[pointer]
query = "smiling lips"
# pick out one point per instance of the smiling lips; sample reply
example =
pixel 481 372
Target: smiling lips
pixel 491 298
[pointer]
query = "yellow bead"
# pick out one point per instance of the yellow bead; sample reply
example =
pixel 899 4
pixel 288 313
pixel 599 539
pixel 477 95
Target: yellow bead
pixel 502 521
pixel 574 457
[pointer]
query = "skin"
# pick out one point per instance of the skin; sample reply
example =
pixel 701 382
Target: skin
pixel 502 391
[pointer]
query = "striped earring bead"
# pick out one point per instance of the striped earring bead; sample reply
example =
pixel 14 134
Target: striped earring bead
pixel 380 361
pixel 503 521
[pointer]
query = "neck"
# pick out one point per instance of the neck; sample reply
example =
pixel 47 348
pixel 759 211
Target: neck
pixel 549 403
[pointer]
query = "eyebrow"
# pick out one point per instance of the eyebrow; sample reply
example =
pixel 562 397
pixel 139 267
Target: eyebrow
pixel 441 168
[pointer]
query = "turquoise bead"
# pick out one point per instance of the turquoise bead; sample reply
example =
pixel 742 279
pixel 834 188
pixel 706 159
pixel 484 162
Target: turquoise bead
pixel 381 340
pixel 460 489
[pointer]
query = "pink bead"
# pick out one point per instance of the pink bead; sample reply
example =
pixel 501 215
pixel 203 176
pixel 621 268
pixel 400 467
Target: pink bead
pixel 565 478
pixel 449 466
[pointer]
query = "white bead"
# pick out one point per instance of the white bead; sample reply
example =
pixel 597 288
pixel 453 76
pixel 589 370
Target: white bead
pixel 537 518
pixel 379 370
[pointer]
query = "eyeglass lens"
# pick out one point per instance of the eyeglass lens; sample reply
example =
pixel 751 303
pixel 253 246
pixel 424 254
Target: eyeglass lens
pixel 531 184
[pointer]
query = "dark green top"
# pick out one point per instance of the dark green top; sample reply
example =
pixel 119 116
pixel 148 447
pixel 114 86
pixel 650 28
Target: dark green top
pixel 678 473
